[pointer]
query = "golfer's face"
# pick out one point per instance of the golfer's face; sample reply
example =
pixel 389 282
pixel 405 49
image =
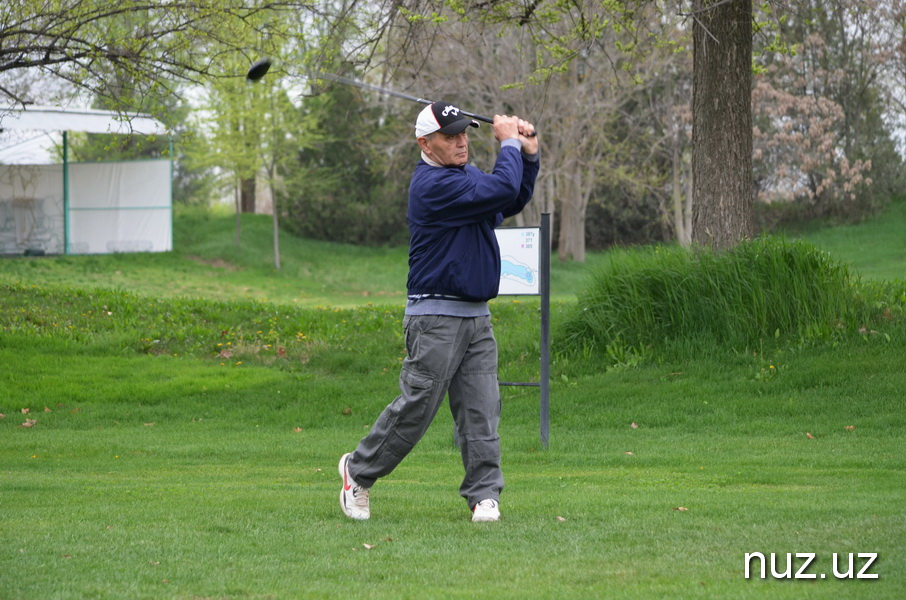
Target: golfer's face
pixel 448 150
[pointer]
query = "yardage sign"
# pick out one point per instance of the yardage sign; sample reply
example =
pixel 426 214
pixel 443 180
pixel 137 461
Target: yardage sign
pixel 519 261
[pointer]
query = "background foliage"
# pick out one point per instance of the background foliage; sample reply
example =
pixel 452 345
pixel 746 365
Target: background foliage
pixel 609 86
pixel 346 184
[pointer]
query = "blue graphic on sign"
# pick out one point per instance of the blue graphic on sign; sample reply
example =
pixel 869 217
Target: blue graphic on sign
pixel 510 269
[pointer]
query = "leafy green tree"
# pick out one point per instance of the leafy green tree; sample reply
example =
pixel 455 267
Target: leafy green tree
pixel 247 130
pixel 347 185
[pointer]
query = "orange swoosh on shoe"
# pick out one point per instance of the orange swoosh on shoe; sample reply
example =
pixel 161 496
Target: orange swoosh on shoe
pixel 346 485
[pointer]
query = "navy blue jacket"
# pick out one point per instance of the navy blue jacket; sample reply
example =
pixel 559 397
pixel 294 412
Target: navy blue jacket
pixel 452 215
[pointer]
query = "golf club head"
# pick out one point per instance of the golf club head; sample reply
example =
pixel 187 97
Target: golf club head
pixel 258 69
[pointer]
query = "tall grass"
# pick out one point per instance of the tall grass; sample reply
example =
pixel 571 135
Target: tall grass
pixel 763 289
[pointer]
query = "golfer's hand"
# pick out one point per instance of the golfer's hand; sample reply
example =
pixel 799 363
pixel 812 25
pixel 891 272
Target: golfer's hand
pixel 506 127
pixel 529 144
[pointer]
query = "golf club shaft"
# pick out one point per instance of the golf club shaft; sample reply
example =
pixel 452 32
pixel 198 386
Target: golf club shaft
pixel 374 88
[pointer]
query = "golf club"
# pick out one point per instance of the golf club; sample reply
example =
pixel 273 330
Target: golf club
pixel 374 88
pixel 260 67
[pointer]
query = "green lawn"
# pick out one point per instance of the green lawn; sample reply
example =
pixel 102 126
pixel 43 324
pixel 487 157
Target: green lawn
pixel 875 249
pixel 187 448
pixel 154 476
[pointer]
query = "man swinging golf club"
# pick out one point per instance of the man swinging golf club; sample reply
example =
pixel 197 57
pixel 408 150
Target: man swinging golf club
pixel 454 269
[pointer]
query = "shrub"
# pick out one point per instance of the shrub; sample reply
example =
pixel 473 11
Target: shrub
pixel 763 289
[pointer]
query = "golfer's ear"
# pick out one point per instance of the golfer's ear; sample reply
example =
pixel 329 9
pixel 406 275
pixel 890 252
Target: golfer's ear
pixel 423 143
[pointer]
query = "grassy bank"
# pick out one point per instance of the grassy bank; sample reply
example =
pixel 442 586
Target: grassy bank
pixel 207 262
pixel 875 249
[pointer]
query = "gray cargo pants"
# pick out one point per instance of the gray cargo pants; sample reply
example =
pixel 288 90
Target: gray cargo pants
pixel 452 354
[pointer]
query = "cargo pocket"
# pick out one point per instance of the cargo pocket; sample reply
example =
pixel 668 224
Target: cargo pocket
pixel 412 412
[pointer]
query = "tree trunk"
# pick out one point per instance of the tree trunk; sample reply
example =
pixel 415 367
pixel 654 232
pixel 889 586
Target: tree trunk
pixel 238 214
pixel 687 207
pixel 572 236
pixel 683 235
pixel 571 239
pixel 723 212
pixel 276 222
pixel 247 187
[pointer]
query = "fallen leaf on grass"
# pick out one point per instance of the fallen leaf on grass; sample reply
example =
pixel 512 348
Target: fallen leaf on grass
pixel 809 436
pixel 634 425
pixel 630 453
pixel 2 416
pixel 847 428
pixel 369 546
pixel 561 519
pixel 29 423
pixel 681 508
pixel 25 411
pixel 347 411
pixel 225 354
pixel 152 424
pixel 47 410
pixel 297 430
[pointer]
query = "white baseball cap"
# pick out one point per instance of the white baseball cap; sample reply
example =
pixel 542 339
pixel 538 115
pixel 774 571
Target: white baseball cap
pixel 443 117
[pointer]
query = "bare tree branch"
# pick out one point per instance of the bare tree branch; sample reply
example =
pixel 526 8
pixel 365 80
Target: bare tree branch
pixel 159 47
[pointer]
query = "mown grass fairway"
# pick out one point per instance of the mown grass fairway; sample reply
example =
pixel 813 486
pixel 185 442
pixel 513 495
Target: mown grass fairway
pixel 187 448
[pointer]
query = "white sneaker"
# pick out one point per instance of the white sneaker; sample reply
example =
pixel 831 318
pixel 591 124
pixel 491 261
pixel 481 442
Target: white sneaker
pixel 353 497
pixel 486 510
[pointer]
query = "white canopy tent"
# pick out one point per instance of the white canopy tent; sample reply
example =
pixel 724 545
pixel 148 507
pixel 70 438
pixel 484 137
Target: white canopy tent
pixel 81 208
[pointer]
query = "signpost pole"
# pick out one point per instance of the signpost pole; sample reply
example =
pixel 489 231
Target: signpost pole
pixel 66 224
pixel 545 275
